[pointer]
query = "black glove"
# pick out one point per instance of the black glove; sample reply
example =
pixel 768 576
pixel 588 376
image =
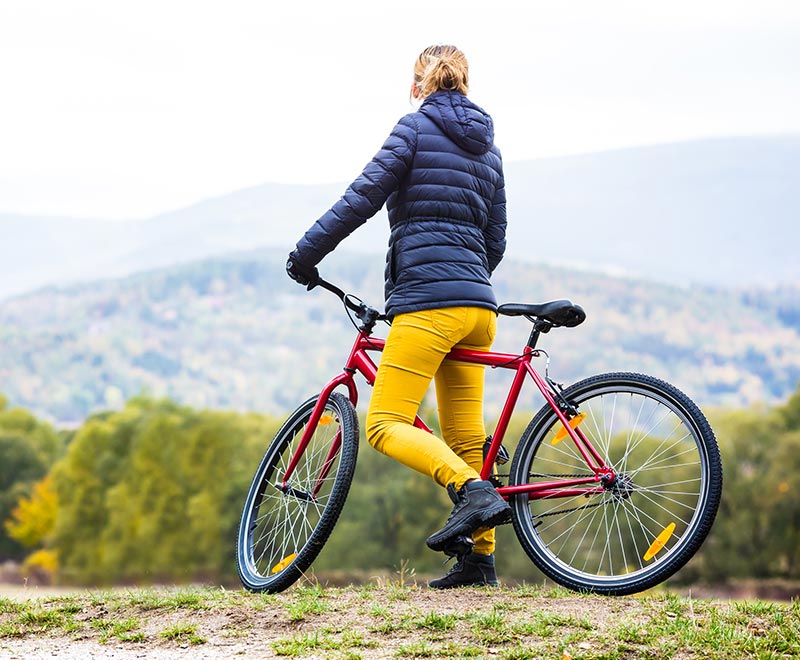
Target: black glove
pixel 302 273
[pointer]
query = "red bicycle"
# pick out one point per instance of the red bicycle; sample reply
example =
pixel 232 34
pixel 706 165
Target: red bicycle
pixel 614 484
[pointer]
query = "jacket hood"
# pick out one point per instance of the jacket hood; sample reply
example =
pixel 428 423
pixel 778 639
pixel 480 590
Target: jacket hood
pixel 466 124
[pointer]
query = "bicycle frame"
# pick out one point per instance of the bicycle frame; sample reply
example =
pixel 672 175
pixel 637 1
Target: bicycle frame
pixel 359 362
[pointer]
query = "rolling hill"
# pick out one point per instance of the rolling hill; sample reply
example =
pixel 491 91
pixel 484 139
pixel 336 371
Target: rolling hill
pixel 711 212
pixel 236 333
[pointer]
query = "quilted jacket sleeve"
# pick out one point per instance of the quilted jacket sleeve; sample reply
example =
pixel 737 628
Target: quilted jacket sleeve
pixel 364 197
pixel 495 232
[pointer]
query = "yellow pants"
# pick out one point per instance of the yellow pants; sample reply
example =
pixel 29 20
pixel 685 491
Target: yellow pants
pixel 414 354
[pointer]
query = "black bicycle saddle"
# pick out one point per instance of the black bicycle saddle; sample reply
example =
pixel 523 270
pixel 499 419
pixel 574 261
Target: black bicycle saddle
pixel 557 312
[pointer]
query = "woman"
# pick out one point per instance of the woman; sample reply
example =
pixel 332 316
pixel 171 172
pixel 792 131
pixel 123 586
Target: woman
pixel 441 178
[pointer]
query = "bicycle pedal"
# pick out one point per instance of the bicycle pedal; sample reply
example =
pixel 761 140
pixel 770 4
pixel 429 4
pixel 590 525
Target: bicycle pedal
pixel 459 546
pixel 503 456
pixel 495 481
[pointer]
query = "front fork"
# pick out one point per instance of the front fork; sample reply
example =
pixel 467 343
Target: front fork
pixel 346 379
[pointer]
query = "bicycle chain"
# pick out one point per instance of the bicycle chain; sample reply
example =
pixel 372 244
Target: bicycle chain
pixel 573 509
pixel 560 476
pixel 550 476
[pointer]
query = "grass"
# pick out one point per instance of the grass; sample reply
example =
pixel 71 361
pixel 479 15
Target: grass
pixel 435 621
pixel 405 621
pixel 308 600
pixel 123 630
pixel 183 632
pixel 491 628
pixel 347 644
pixel 152 599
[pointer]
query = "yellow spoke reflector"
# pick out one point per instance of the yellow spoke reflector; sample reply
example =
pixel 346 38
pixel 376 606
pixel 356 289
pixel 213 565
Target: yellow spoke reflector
pixel 562 432
pixel 284 563
pixel 326 419
pixel 660 542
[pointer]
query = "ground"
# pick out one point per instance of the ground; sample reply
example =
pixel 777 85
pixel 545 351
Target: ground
pixel 390 621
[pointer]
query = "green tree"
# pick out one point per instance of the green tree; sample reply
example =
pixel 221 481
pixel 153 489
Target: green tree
pixel 28 448
pixel 154 492
pixel 757 531
pixel 783 481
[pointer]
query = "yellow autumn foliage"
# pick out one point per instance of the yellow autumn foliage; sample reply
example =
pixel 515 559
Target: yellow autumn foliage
pixel 33 518
pixel 41 562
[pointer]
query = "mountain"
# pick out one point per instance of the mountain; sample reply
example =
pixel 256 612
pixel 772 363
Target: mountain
pixel 236 333
pixel 714 212
pixel 721 212
pixel 38 251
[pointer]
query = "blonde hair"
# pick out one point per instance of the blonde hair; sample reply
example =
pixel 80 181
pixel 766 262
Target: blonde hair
pixel 441 68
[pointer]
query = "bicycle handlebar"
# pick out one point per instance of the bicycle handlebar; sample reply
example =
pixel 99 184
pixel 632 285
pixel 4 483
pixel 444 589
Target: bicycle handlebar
pixel 366 314
pixel 333 289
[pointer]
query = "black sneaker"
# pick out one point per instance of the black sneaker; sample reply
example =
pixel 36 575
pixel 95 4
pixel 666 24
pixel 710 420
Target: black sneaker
pixel 477 505
pixel 470 570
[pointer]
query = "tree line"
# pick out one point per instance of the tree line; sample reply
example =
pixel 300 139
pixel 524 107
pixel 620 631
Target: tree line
pixel 205 334
pixel 153 492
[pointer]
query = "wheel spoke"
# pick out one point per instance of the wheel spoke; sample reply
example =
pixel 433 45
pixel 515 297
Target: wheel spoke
pixel 283 514
pixel 659 504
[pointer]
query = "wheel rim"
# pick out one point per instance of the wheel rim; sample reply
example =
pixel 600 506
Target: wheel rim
pixel 282 521
pixel 648 515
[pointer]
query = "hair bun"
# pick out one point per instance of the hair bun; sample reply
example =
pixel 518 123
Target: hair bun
pixel 441 67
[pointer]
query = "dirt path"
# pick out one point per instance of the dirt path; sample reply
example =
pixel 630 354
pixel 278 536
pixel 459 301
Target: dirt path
pixel 387 620
pixel 382 622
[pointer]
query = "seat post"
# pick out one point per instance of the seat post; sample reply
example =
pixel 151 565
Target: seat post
pixel 539 326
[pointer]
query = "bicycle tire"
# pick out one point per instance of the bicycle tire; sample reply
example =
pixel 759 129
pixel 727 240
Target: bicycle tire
pixel 283 530
pixel 644 527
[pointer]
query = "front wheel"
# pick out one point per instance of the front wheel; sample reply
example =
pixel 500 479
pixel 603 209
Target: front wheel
pixel 285 522
pixel 632 531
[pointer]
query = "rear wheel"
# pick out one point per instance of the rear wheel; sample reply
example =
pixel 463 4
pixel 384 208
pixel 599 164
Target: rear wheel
pixel 285 525
pixel 636 530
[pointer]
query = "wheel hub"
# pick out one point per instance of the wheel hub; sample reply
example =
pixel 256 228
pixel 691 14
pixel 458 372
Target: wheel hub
pixel 291 491
pixel 620 486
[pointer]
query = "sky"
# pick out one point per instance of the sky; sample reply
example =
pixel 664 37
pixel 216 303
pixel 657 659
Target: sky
pixel 119 109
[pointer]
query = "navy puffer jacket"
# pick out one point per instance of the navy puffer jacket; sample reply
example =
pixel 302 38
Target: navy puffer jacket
pixel 441 178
